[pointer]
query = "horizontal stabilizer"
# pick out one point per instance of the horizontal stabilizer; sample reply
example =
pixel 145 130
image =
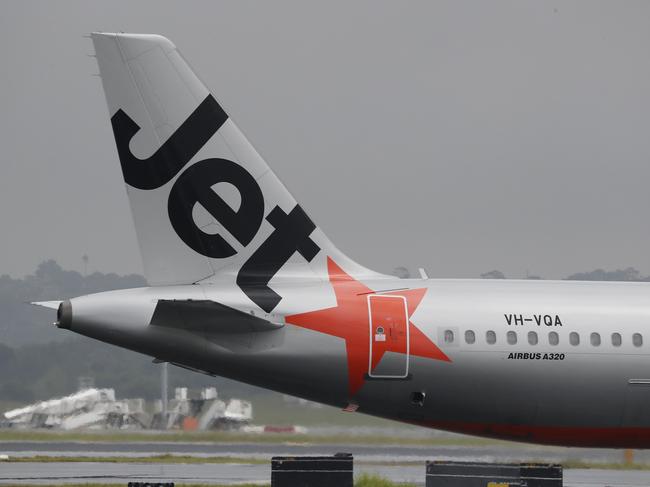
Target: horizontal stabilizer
pixel 47 304
pixel 204 316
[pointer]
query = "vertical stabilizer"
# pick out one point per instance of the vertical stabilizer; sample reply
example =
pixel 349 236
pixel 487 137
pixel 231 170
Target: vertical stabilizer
pixel 205 204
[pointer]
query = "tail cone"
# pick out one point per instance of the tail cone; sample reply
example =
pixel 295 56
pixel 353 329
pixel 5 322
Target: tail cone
pixel 64 315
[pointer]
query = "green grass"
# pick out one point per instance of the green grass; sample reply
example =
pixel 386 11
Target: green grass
pixel 166 458
pixel 367 480
pixel 235 437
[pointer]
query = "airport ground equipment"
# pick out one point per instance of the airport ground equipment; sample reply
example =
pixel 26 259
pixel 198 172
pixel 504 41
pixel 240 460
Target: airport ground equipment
pixel 206 412
pixel 88 408
pixel 477 474
pixel 93 408
pixel 328 471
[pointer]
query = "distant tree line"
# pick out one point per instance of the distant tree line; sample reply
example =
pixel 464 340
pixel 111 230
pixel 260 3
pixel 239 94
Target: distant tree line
pixel 39 361
pixel 21 323
pixel 629 274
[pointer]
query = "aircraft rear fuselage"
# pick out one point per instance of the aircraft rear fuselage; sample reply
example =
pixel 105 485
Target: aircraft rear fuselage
pixel 555 362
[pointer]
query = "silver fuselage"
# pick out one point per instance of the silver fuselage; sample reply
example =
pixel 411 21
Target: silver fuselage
pixel 571 394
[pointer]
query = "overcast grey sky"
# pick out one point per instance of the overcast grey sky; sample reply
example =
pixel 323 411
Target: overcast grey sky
pixel 459 136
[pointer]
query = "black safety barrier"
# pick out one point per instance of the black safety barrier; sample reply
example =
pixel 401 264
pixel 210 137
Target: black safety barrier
pixel 150 484
pixel 541 474
pixel 330 471
pixel 476 474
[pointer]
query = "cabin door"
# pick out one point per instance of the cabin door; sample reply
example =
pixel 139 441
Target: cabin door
pixel 389 337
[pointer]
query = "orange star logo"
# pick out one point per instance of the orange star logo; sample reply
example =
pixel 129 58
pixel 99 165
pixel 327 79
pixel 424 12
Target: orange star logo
pixel 350 320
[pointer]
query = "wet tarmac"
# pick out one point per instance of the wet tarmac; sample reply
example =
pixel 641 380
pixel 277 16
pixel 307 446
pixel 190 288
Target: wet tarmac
pixel 121 473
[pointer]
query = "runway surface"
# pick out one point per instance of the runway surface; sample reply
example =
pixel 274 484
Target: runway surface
pixel 64 472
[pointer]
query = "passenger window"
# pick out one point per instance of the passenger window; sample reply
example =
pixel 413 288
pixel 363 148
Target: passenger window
pixel 532 337
pixel 616 339
pixel 491 337
pixel 449 336
pixel 553 338
pixel 595 339
pixel 470 337
pixel 637 339
pixel 574 338
pixel 511 336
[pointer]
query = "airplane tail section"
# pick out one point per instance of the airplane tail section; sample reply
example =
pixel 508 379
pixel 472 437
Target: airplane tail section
pixel 204 203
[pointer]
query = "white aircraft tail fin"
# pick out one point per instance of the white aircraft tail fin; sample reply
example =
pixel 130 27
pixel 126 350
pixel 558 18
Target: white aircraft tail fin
pixel 205 204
